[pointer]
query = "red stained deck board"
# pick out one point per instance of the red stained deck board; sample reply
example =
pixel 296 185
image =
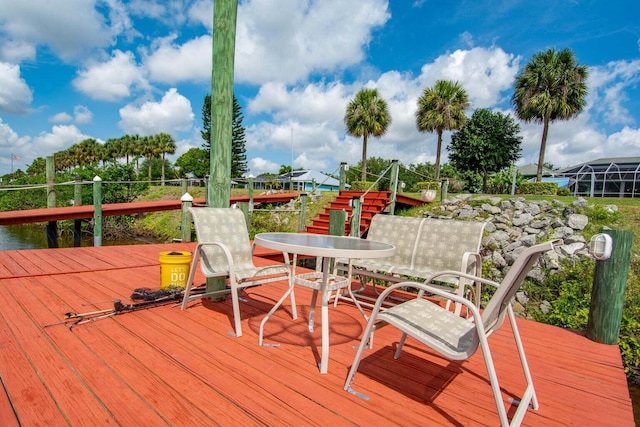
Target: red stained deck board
pixel 183 367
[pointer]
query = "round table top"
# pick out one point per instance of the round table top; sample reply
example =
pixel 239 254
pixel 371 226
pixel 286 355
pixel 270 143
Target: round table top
pixel 324 245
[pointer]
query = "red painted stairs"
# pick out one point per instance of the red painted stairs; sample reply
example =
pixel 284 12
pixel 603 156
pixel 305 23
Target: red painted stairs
pixel 374 202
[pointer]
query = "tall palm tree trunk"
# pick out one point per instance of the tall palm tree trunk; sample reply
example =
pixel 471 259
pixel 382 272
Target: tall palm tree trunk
pixel 543 147
pixel 437 168
pixel 364 157
pixel 162 179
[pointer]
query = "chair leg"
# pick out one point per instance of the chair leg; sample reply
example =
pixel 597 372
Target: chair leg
pixel 312 309
pixel 292 278
pixel 523 360
pixel 356 361
pixel 493 379
pixel 192 273
pixel 235 300
pixel 400 345
pixel 273 310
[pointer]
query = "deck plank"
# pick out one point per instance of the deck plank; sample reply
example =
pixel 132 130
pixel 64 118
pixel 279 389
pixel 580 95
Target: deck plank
pixel 162 365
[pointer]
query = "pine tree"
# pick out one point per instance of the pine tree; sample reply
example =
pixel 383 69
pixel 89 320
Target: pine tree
pixel 238 150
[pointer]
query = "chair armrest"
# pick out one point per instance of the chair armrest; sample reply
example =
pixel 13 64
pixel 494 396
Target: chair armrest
pixel 423 287
pixel 467 259
pixel 225 250
pixel 285 255
pixel 470 277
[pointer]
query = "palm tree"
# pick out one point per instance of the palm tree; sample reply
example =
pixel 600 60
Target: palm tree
pixel 552 86
pixel 150 150
pixel 164 145
pixel 442 108
pixel 367 114
pixel 111 150
pixel 135 147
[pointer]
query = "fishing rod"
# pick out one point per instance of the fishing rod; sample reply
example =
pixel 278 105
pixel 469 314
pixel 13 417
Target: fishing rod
pixel 149 298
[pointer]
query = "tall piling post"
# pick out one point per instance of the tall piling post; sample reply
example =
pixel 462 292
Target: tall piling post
pixel 223 51
pixel 97 211
pixel 609 284
pixel 77 201
pixel 52 226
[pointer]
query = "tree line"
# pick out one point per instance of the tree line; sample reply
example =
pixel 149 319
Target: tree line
pixel 551 87
pixel 130 148
pixel 152 150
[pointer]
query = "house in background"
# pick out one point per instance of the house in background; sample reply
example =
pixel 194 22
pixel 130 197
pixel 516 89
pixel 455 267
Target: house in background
pixel 531 171
pixel 300 180
pixel 607 177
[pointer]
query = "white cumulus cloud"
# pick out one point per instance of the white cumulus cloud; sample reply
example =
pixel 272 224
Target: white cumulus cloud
pixel 172 63
pixel 172 113
pixel 111 80
pixel 258 165
pixel 68 27
pixel 62 117
pixel 82 114
pixel 60 138
pixel 483 72
pixel 15 94
pixel 303 37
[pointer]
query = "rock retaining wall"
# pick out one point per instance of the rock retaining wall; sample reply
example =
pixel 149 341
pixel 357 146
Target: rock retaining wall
pixel 516 224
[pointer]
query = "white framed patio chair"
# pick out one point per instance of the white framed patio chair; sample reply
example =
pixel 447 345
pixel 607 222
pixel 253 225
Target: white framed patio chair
pixel 224 250
pixel 456 337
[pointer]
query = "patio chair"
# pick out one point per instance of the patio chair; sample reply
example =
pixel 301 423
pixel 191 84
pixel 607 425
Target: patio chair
pixel 455 337
pixel 224 250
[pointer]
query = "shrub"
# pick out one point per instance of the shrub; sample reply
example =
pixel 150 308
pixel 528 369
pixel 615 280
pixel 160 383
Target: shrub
pixel 539 188
pixel 363 186
pixel 427 185
pixel 563 192
pixel 569 293
pixel 456 185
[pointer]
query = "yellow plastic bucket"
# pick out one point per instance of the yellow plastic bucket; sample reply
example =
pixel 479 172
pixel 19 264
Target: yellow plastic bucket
pixel 174 269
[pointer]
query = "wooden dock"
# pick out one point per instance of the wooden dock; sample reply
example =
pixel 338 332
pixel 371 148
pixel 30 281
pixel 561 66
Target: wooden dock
pixel 111 209
pixel 164 366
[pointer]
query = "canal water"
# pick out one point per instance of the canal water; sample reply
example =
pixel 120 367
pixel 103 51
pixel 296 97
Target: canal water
pixel 34 237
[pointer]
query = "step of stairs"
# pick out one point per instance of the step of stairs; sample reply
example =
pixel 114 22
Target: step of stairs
pixel 374 202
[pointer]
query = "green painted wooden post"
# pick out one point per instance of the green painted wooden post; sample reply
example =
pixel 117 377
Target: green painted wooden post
pixel 52 226
pixel 394 186
pixel 303 211
pixel 223 50
pixel 206 190
pixel 607 295
pixel 343 176
pixel 356 206
pixel 250 184
pixel 97 211
pixel 185 227
pixel 77 201
pixel 244 207
pixel 444 187
pixel 337 218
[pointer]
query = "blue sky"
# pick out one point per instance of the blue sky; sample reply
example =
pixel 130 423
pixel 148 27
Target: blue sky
pixel 77 69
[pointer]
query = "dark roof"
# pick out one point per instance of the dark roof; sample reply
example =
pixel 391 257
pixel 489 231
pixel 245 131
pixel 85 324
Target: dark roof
pixel 532 170
pixel 605 161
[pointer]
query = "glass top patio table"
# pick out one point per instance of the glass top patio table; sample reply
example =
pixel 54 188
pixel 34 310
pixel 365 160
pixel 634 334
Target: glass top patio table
pixel 327 247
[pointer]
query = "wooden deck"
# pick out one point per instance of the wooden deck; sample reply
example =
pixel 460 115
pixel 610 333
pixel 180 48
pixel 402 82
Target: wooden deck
pixel 111 209
pixel 164 366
